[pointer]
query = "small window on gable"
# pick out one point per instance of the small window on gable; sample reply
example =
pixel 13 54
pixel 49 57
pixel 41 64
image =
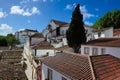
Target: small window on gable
pixel 102 51
pixel 99 34
pixel 86 50
pixel 95 51
pixel 63 78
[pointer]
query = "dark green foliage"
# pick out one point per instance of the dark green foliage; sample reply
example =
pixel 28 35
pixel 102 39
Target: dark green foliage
pixel 3 41
pixel 76 33
pixel 11 40
pixel 8 40
pixel 110 19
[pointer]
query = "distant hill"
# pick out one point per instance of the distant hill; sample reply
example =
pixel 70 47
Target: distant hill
pixel 110 19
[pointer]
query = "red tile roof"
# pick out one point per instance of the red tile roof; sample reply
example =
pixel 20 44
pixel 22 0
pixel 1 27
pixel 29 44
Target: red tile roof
pixel 37 35
pixel 71 65
pixel 60 23
pixel 42 45
pixel 106 42
pixel 82 67
pixel 106 67
pixel 116 33
pixel 62 48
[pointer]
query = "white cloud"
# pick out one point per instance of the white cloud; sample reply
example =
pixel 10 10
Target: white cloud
pixel 83 10
pixel 5 29
pixel 85 13
pixel 96 9
pixel 24 12
pixel 24 1
pixel 70 7
pixel 22 29
pixel 88 23
pixel 29 21
pixel 44 0
pixel 48 0
pixel 2 14
pixel 35 0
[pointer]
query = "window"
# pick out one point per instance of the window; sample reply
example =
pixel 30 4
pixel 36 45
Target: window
pixel 102 50
pixel 99 34
pixel 94 51
pixel 49 74
pixel 64 78
pixel 86 50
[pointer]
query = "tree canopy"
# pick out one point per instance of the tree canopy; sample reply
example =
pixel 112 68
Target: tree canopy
pixel 3 41
pixel 110 19
pixel 76 33
pixel 11 40
pixel 8 40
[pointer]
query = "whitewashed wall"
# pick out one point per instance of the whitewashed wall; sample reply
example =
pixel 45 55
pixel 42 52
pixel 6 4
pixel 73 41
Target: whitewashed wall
pixel 53 33
pixel 53 25
pixel 64 41
pixel 109 33
pixel 56 75
pixel 43 52
pixel 63 30
pixel 95 34
pixel 23 34
pixel 57 45
pixel 104 34
pixel 36 40
pixel 115 51
pixel 44 32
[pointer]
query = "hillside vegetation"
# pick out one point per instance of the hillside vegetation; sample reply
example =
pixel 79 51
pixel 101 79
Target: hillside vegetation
pixel 110 19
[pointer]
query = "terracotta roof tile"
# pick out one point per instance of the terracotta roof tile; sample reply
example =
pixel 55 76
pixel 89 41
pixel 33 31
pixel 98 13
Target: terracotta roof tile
pixel 106 67
pixel 78 67
pixel 60 23
pixel 71 65
pixel 62 48
pixel 42 45
pixel 116 33
pixel 37 35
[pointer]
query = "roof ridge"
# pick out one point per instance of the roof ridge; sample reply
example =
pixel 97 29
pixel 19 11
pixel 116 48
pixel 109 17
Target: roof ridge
pixel 68 52
pixel 91 67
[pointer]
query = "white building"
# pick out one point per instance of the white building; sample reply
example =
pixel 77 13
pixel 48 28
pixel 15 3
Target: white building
pixel 102 46
pixel 42 49
pixel 55 33
pixel 102 33
pixel 71 66
pixel 21 35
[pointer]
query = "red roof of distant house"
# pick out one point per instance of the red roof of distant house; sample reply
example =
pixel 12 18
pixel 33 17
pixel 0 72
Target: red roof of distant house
pixel 116 33
pixel 42 45
pixel 37 35
pixel 60 23
pixel 106 42
pixel 82 67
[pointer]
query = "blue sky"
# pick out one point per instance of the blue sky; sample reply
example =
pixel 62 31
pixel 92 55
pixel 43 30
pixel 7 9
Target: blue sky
pixel 17 15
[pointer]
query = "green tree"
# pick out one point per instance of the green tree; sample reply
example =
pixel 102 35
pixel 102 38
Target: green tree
pixel 110 19
pixel 3 41
pixel 76 33
pixel 11 40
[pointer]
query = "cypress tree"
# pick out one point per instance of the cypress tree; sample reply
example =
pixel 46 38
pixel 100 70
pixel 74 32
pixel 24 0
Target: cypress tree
pixel 76 33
